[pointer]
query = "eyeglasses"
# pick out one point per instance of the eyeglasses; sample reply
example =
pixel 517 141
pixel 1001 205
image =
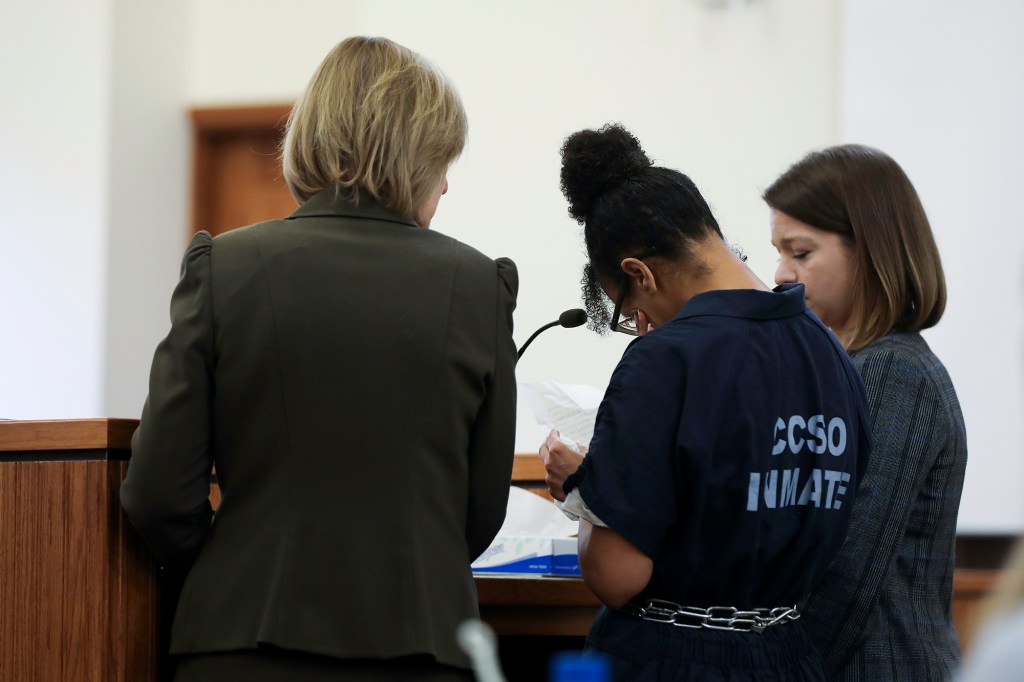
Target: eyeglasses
pixel 627 324
pixel 624 324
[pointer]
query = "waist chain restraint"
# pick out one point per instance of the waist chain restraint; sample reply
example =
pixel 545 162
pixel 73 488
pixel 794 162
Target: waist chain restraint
pixel 727 618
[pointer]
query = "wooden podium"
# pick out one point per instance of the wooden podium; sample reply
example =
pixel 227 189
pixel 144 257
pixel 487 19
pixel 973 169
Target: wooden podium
pixel 79 600
pixel 78 594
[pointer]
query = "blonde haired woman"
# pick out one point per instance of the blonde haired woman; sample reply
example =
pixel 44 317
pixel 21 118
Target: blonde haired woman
pixel 850 227
pixel 350 374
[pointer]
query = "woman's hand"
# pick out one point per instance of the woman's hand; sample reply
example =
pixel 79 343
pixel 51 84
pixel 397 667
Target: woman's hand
pixel 560 461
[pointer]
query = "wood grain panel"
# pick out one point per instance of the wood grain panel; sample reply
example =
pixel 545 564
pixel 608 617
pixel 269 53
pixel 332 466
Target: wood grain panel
pixel 518 605
pixel 8 580
pixel 33 568
pixel 77 593
pixel 528 468
pixel 134 598
pixel 67 434
pixel 84 594
pixel 528 473
pixel 519 590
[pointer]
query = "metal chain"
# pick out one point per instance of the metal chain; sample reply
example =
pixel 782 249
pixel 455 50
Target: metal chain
pixel 727 618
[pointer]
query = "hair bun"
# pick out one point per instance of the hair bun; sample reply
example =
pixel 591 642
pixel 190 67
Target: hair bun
pixel 595 161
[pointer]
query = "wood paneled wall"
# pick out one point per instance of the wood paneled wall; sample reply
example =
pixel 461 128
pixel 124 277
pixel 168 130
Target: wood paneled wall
pixel 78 599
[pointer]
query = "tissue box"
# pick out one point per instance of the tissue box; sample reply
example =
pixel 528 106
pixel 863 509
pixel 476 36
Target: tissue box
pixel 534 539
pixel 564 557
pixel 515 554
pixel 529 554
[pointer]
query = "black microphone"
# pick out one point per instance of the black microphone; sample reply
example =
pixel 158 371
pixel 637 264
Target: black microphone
pixel 569 319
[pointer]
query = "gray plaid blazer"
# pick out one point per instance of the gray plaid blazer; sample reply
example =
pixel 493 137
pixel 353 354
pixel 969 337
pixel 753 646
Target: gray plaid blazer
pixel 883 609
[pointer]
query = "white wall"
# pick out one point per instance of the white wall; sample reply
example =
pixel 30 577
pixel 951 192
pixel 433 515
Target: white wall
pixel 93 200
pixel 54 133
pixel 148 195
pixel 728 96
pixel 938 85
pixel 93 181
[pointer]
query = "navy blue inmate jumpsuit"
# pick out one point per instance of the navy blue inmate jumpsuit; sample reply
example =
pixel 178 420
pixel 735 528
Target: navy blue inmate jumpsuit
pixel 728 448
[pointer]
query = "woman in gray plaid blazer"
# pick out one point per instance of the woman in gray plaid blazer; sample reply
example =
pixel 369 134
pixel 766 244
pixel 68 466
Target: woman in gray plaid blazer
pixel 849 225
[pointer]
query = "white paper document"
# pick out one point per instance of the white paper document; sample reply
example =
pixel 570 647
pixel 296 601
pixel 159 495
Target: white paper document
pixel 570 409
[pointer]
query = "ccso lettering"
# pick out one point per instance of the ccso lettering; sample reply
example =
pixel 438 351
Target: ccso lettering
pixel 814 433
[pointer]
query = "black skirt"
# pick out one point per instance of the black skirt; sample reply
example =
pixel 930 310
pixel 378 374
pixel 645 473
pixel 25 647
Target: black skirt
pixel 644 651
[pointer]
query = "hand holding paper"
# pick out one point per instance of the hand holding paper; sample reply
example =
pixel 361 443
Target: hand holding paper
pixel 569 411
pixel 560 461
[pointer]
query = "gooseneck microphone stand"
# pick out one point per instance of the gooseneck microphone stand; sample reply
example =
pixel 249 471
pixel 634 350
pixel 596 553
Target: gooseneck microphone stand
pixel 569 319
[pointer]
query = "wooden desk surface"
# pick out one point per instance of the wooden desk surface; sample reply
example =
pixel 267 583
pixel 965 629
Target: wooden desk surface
pixel 536 605
pixel 519 590
pixel 67 434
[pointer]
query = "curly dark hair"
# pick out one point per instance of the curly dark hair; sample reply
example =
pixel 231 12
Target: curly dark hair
pixel 628 208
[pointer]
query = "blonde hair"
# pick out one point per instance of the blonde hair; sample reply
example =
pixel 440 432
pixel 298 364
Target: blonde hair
pixel 863 195
pixel 375 117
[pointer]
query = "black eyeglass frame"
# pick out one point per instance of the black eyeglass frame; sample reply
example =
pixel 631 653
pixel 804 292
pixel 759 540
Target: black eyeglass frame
pixel 614 324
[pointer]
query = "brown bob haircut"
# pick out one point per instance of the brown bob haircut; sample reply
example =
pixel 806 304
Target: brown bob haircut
pixel 862 194
pixel 376 117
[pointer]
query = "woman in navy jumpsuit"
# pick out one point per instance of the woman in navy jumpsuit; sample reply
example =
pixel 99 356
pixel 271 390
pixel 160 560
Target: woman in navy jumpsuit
pixel 728 448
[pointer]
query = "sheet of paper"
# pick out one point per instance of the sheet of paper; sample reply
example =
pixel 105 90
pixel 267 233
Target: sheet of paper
pixel 571 409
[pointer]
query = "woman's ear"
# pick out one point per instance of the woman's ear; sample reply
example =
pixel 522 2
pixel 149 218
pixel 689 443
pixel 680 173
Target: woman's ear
pixel 641 275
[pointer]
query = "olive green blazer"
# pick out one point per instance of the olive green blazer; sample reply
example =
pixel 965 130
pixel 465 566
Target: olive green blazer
pixel 351 376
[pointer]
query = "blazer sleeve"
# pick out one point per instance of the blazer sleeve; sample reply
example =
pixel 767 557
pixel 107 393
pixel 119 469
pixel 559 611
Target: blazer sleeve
pixel 492 441
pixel 166 490
pixel 903 401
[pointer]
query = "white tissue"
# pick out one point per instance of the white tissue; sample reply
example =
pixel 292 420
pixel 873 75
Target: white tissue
pixel 535 538
pixel 532 515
